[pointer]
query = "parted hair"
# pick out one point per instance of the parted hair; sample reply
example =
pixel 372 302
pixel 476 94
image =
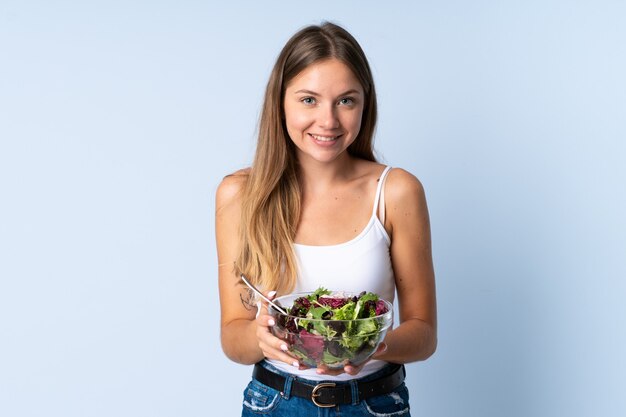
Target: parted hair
pixel 272 196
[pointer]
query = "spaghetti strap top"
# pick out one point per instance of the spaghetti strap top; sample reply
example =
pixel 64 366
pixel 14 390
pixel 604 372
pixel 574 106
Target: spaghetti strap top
pixel 379 200
pixel 360 264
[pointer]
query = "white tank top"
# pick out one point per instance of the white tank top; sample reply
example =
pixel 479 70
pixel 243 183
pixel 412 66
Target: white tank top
pixel 361 264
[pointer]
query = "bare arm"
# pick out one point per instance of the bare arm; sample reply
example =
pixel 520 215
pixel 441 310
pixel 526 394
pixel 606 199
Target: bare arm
pixel 245 339
pixel 408 222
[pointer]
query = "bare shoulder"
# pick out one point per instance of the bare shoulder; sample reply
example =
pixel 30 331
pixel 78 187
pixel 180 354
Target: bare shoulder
pixel 230 188
pixel 402 187
pixel 405 201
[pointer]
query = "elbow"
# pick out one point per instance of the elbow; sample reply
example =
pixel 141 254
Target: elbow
pixel 431 347
pixel 230 353
pixel 238 357
pixel 428 346
pixel 235 350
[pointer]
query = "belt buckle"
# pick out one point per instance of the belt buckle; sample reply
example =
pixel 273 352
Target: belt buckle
pixel 315 394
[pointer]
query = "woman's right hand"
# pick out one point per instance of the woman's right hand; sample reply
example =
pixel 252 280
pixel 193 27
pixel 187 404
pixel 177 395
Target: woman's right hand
pixel 272 346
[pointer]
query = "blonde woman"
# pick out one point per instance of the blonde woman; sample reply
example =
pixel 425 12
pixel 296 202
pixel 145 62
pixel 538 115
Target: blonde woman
pixel 316 209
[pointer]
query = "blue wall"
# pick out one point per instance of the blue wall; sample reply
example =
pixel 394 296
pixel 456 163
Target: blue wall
pixel 118 119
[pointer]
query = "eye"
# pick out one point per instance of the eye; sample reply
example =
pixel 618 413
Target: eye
pixel 308 100
pixel 346 101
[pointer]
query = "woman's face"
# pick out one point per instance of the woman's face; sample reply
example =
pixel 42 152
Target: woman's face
pixel 323 108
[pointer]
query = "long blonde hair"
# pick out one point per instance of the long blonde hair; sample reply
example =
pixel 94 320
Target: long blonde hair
pixel 271 196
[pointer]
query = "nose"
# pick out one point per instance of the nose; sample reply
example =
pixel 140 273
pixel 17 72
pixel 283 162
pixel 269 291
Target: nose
pixel 328 117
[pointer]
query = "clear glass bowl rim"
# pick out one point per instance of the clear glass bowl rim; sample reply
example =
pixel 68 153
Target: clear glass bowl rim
pixel 271 309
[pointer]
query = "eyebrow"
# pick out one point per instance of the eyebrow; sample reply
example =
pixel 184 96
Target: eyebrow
pixel 313 93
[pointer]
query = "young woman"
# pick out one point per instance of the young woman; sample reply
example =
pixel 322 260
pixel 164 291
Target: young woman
pixel 316 209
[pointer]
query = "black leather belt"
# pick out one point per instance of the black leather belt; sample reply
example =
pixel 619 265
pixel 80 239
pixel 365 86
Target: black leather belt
pixel 328 393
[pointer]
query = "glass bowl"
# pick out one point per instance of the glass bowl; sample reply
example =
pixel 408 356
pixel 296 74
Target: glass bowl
pixel 327 342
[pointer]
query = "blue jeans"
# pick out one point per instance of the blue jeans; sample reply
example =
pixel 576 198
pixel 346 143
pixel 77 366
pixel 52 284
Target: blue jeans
pixel 261 400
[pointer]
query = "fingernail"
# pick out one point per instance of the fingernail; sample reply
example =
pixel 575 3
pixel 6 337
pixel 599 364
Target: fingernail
pixel 271 322
pixel 296 364
pixel 271 294
pixel 284 348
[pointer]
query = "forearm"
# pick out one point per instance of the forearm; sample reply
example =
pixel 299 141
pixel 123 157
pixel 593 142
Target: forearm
pixel 414 340
pixel 240 343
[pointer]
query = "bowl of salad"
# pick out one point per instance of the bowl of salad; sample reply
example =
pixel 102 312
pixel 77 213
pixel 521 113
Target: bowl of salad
pixel 332 329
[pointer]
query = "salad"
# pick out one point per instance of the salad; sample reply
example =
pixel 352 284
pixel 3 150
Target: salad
pixel 333 328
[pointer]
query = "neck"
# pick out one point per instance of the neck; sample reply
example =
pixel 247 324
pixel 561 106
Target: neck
pixel 322 176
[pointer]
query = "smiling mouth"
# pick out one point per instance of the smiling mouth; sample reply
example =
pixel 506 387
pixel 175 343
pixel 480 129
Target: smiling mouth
pixel 324 138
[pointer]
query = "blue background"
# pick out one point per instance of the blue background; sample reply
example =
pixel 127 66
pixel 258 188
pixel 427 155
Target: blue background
pixel 119 118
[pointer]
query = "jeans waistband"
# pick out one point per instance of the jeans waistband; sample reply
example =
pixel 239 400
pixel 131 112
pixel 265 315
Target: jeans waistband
pixel 331 393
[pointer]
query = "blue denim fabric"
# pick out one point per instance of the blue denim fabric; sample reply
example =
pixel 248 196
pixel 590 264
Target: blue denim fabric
pixel 261 400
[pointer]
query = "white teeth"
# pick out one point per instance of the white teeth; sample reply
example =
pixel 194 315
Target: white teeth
pixel 324 138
